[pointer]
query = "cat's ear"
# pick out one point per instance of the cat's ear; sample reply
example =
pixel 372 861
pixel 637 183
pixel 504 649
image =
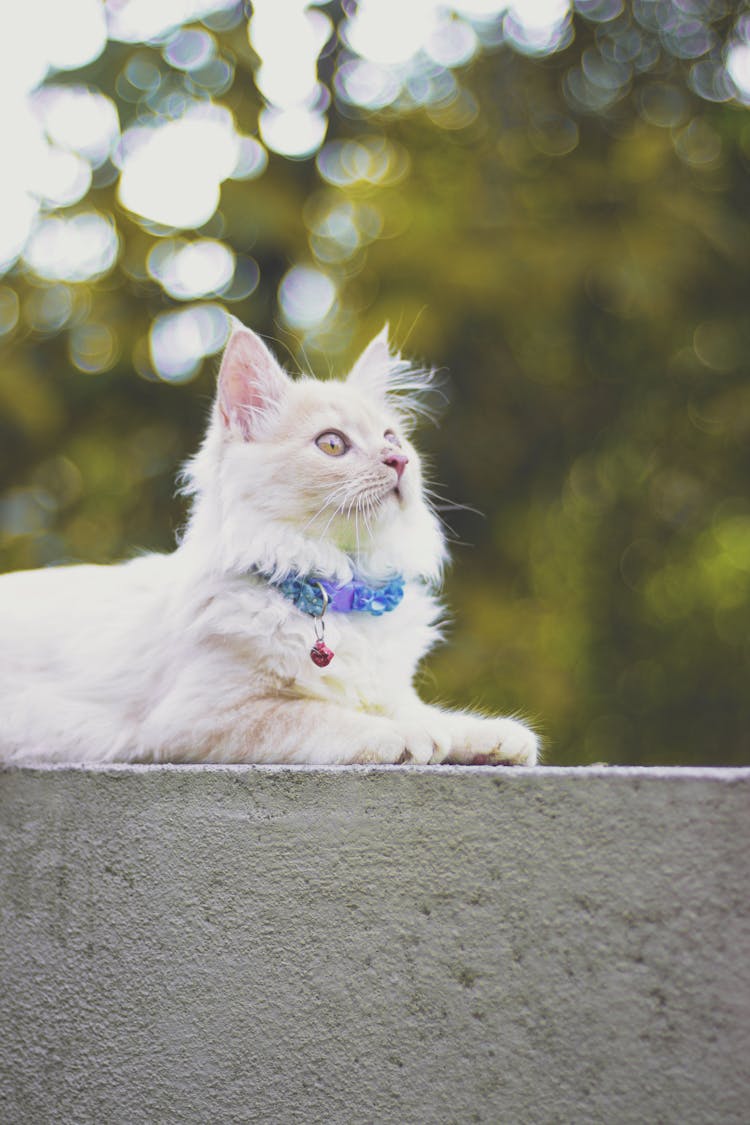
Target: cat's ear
pixel 371 373
pixel 250 383
pixel 412 392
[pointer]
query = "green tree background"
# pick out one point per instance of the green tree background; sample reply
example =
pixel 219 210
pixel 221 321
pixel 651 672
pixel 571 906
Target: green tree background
pixel 565 232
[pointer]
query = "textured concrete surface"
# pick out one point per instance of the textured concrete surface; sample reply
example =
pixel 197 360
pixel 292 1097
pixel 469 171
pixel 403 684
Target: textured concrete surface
pixel 436 945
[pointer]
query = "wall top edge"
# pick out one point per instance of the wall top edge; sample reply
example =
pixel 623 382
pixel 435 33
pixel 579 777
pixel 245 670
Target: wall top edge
pixel 645 773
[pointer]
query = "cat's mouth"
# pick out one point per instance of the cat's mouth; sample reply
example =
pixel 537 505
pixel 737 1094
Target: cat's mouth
pixel 393 492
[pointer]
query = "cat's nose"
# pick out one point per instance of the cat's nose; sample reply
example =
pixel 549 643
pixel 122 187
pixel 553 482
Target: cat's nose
pixel 397 461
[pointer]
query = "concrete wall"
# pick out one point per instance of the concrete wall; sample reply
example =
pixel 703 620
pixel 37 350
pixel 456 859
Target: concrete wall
pixel 240 944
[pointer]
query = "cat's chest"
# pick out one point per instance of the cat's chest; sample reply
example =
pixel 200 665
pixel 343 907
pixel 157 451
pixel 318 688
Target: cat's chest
pixel 375 657
pixel 270 642
pixel 372 659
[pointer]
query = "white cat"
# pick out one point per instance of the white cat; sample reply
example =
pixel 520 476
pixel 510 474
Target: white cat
pixel 200 655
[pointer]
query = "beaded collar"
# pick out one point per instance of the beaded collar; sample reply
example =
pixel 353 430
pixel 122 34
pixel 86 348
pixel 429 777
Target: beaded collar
pixel 314 596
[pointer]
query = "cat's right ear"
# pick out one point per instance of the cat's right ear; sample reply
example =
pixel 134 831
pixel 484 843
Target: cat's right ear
pixel 372 370
pixel 250 383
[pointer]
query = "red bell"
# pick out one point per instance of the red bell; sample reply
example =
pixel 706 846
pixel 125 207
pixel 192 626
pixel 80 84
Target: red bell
pixel 321 654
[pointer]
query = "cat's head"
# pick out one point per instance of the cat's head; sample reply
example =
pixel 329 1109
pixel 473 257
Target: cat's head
pixel 321 469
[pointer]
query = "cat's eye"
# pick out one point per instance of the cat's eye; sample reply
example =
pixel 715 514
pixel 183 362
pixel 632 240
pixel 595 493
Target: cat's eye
pixel 391 437
pixel 332 443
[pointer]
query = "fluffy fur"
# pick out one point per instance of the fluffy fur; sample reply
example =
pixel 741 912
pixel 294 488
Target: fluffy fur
pixel 191 657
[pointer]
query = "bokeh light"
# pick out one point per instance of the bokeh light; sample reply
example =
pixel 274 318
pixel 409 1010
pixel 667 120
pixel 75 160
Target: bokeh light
pixel 192 269
pixel 368 160
pixel 538 27
pixel 306 296
pixel 172 173
pixel 9 309
pixel 369 31
pixel 339 229
pixel 17 217
pixel 295 131
pixel 252 159
pixel 92 348
pixel 179 341
pixel 288 38
pixel 49 308
pixel 137 21
pixel 75 248
pixel 190 49
pixel 165 180
pixel 78 118
pixel 738 68
pixel 45 36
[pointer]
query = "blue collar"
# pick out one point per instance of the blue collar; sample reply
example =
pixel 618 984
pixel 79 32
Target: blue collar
pixel 316 595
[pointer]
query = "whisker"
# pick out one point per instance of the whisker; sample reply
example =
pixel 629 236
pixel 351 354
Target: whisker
pixel 444 504
pixel 340 489
pixel 339 509
pixel 281 343
pixel 356 525
pixel 415 322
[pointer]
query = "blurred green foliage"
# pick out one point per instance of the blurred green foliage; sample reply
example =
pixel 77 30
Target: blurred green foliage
pixel 581 271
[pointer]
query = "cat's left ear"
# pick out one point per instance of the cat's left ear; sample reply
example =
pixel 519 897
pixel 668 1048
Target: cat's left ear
pixel 407 390
pixel 250 382
pixel 371 373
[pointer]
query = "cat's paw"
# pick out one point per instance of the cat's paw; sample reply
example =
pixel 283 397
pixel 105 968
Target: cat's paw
pixel 397 743
pixel 492 742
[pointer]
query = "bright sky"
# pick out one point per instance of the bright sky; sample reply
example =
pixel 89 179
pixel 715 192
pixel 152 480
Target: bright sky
pixel 172 163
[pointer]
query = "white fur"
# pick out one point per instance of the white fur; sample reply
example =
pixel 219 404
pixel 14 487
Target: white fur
pixel 191 657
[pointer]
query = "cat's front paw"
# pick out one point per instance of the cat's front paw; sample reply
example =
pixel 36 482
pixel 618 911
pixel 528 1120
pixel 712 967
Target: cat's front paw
pixel 492 742
pixel 396 743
